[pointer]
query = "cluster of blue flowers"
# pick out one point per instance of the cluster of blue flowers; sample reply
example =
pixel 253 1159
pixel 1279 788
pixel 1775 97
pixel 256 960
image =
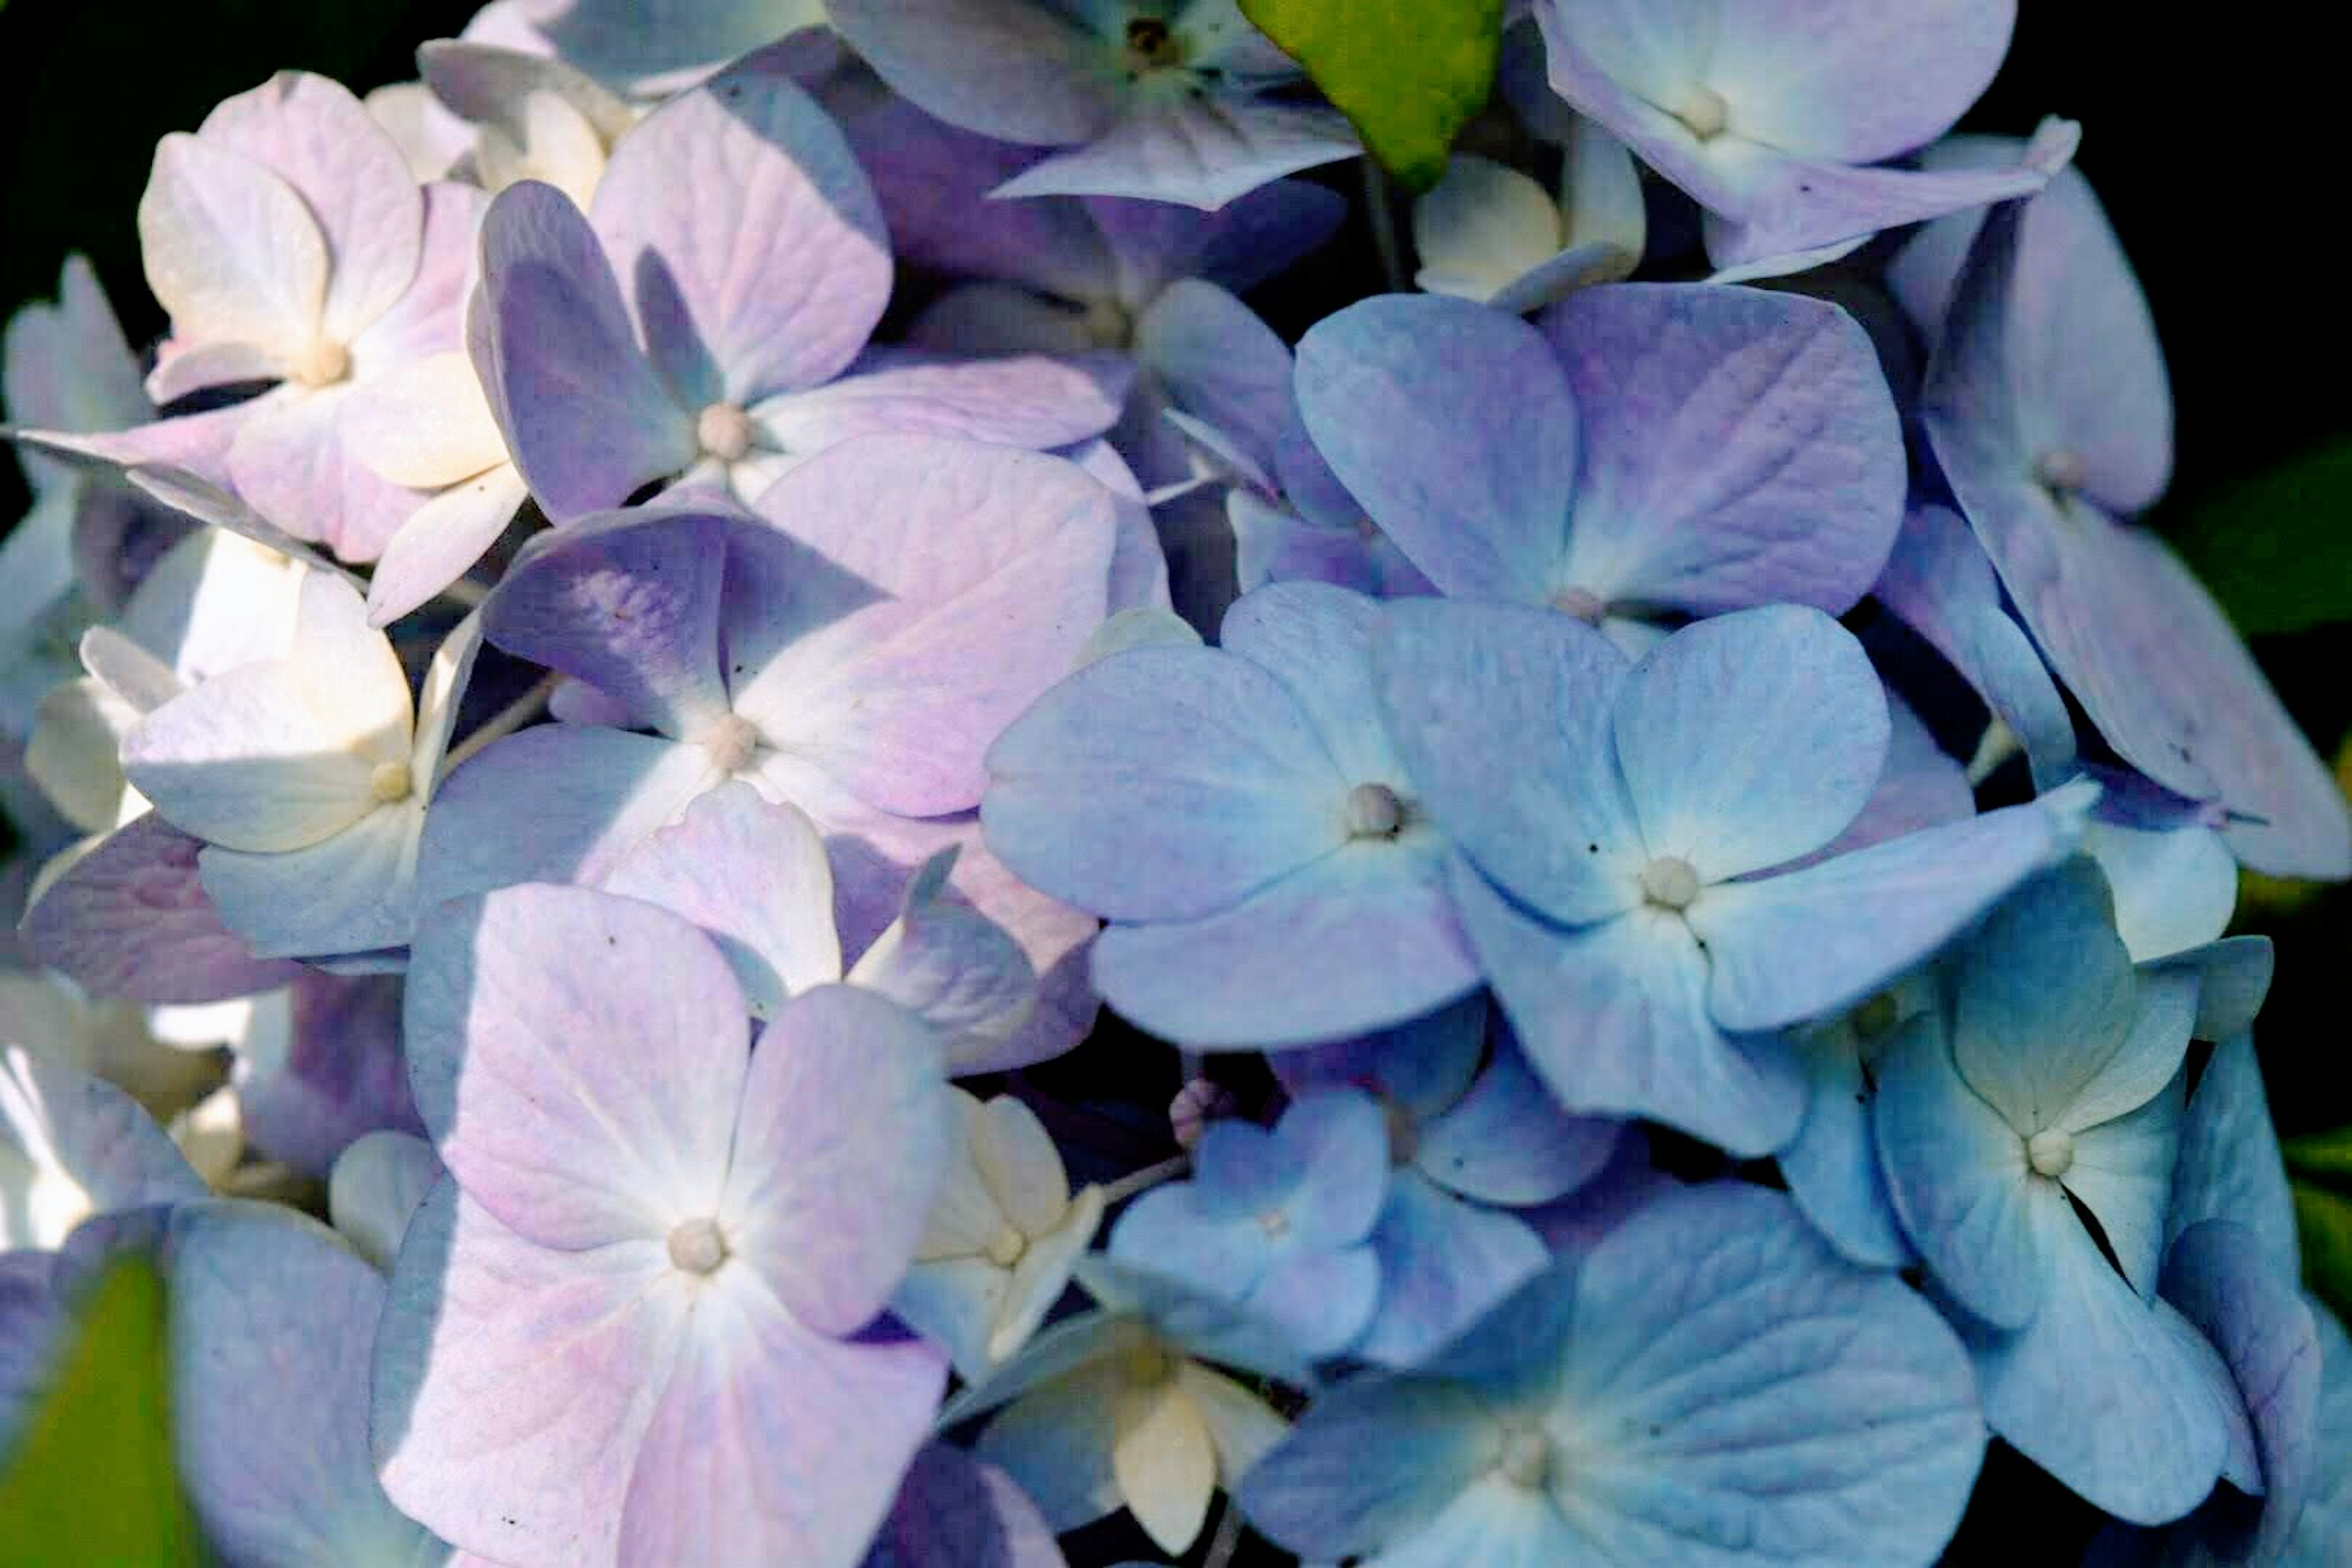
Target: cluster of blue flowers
pixel 705 573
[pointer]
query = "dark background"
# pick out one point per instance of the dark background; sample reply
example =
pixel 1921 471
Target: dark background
pixel 2204 142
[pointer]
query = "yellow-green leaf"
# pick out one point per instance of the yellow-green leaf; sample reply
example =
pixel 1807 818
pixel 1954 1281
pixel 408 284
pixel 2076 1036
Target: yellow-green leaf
pixel 1408 73
pixel 92 1480
pixel 2323 1220
pixel 2322 1157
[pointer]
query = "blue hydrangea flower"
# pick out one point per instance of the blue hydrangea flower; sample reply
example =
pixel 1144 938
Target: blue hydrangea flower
pixel 1278 1222
pixel 1616 817
pixel 1472 1135
pixel 1641 451
pixel 1706 1384
pixel 1239 817
pixel 2055 1081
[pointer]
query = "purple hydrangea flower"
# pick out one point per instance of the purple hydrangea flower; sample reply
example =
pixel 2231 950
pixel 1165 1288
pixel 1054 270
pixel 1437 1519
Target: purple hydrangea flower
pixel 1771 115
pixel 1641 450
pixel 628 1326
pixel 1170 103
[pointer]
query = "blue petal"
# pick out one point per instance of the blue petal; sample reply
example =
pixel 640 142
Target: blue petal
pixel 1442 1262
pixel 2230 1167
pixel 1613 1018
pixel 1370 1462
pixel 1501 717
pixel 1832 1165
pixel 1509 1142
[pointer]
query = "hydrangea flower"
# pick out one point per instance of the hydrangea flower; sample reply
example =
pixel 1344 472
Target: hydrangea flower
pixel 1617 819
pixel 627 1325
pixel 271 1316
pixel 1002 1242
pixel 644 343
pixel 530 116
pixel 2048 409
pixel 1239 815
pixel 1116 1408
pixel 1771 115
pixel 1276 1221
pixel 289 243
pixel 1306 527
pixel 1705 1384
pixel 1491 234
pixel 1641 450
pixel 306 778
pixel 1142 98
pixel 1472 1136
pixel 2057 1082
pixel 851 649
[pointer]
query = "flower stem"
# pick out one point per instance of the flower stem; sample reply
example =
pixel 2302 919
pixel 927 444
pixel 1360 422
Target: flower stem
pixel 504 723
pixel 1150 1176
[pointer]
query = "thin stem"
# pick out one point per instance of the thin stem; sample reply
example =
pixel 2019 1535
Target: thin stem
pixel 1150 1176
pixel 466 593
pixel 1382 215
pixel 504 723
pixel 1227 1539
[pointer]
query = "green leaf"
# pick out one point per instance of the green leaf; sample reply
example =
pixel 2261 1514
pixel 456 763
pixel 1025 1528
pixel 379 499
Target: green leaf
pixel 93 1481
pixel 2276 548
pixel 2325 1223
pixel 1409 73
pixel 2322 1157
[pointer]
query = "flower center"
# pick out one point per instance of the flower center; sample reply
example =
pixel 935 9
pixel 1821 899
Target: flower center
pixel 1875 1016
pixel 698 1246
pixel 1147 1364
pixel 322 363
pixel 1670 882
pixel 2051 1152
pixel 729 742
pixel 1153 44
pixel 1704 112
pixel 1525 1458
pixel 1581 603
pixel 1107 324
pixel 2061 468
pixel 1005 1248
pixel 1374 812
pixel 725 432
pixel 390 783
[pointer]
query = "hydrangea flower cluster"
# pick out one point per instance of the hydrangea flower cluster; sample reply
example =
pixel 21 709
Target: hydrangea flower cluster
pixel 693 600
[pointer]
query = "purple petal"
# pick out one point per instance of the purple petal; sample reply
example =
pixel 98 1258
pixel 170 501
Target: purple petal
pixel 1203 150
pixel 292 466
pixel 1026 401
pixel 774 1445
pixel 954 1511
pixel 512 1385
pixel 557 803
pixel 271 1321
pixel 1247 241
pixel 953 967
pixel 842 1142
pixel 1220 364
pixel 586 417
pixel 1019 72
pixel 748 238
pixel 1740 447
pixel 130 919
pixel 1481 505
pixel 578 1058
pixel 996 564
pixel 1921 787
pixel 323 141
pixel 343 1077
pixel 628 602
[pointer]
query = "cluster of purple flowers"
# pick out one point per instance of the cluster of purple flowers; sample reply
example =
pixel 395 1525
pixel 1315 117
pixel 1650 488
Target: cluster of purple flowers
pixel 565 709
